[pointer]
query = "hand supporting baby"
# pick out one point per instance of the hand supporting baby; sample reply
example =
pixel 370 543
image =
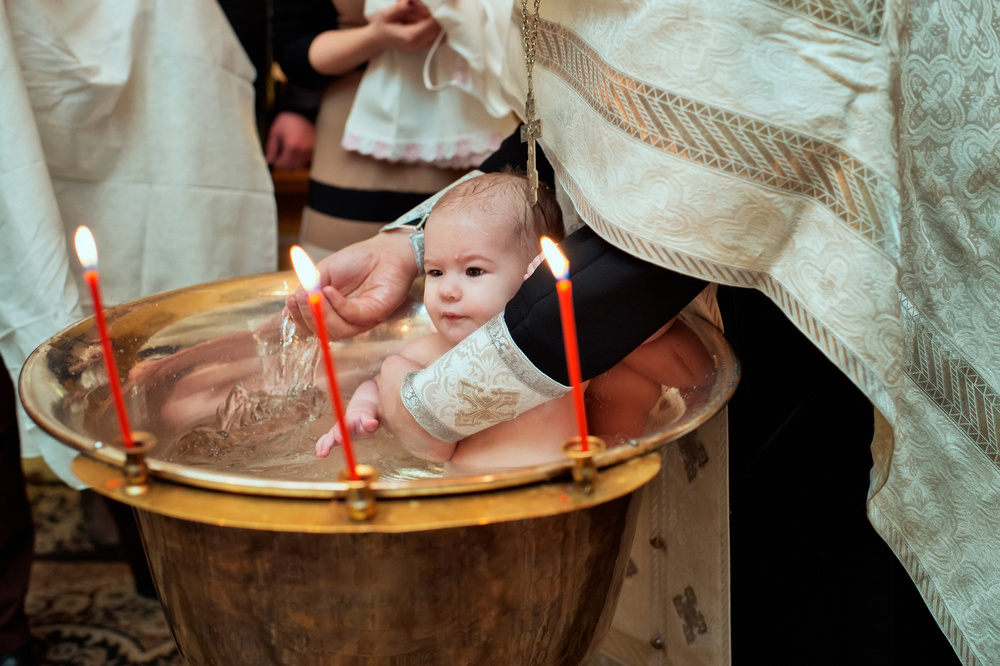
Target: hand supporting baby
pixel 533 265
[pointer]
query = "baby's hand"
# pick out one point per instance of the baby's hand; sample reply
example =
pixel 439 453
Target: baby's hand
pixel 360 425
pixel 534 264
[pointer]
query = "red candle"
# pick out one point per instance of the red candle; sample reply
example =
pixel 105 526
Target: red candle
pixel 309 277
pixel 564 288
pixel 86 250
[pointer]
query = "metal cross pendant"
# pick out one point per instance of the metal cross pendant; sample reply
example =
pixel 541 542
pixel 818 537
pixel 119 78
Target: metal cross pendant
pixel 531 130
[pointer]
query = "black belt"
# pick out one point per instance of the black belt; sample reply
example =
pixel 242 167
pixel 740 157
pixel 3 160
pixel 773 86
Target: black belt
pixel 362 205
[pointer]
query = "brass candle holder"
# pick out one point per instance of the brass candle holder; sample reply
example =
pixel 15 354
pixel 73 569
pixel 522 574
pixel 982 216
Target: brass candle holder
pixel 359 500
pixel 584 469
pixel 135 471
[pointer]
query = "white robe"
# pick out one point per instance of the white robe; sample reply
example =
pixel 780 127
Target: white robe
pixel 137 120
pixel 839 157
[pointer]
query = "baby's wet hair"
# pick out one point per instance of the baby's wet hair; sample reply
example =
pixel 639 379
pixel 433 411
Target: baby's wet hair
pixel 543 219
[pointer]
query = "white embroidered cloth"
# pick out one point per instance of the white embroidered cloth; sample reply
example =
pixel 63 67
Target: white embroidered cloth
pixel 841 158
pixel 397 116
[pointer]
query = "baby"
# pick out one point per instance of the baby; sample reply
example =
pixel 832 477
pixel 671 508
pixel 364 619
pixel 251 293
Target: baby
pixel 478 240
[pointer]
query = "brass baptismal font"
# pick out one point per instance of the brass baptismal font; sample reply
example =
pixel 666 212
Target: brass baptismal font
pixel 255 552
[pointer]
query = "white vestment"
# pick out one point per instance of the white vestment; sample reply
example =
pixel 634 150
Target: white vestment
pixel 839 157
pixel 135 119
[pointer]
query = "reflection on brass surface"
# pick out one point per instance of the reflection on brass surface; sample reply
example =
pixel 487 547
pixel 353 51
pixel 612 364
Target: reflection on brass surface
pixel 395 515
pixel 584 469
pixel 252 562
pixel 527 575
pixel 136 473
pixel 231 393
pixel 359 500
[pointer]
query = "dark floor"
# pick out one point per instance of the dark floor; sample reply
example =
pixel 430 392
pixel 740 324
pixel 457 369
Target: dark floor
pixel 83 605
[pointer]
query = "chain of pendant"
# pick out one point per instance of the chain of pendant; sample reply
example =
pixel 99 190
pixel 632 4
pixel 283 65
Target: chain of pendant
pixel 529 29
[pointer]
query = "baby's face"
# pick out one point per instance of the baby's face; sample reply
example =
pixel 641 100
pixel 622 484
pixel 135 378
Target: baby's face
pixel 473 266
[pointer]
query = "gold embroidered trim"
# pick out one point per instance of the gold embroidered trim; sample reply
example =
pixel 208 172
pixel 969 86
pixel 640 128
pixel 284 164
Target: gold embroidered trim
pixel 864 18
pixel 422 414
pixel 482 407
pixel 519 364
pixel 947 379
pixel 774 157
pixel 761 153
pixel 944 375
pixel 835 349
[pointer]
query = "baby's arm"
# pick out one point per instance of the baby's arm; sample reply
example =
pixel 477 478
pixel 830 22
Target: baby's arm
pixel 415 355
pixel 361 418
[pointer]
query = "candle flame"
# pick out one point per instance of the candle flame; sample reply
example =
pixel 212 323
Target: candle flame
pixel 86 249
pixel 557 262
pixel 304 268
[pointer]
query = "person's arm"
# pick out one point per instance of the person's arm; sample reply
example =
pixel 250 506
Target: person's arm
pixel 361 418
pixel 295 24
pixel 417 354
pixel 310 48
pixel 406 26
pixel 399 421
pixel 365 282
pixel 362 413
pixel 362 285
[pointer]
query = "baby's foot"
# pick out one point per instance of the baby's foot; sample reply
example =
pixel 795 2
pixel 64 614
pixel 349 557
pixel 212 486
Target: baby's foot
pixel 326 443
pixel 360 429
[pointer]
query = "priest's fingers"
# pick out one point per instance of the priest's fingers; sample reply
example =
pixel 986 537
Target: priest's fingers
pixel 297 307
pixel 349 315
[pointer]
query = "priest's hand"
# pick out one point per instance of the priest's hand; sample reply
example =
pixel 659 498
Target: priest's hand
pixel 398 419
pixel 362 285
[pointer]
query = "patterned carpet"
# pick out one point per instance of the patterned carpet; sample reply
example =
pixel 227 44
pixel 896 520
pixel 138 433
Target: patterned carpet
pixel 82 601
